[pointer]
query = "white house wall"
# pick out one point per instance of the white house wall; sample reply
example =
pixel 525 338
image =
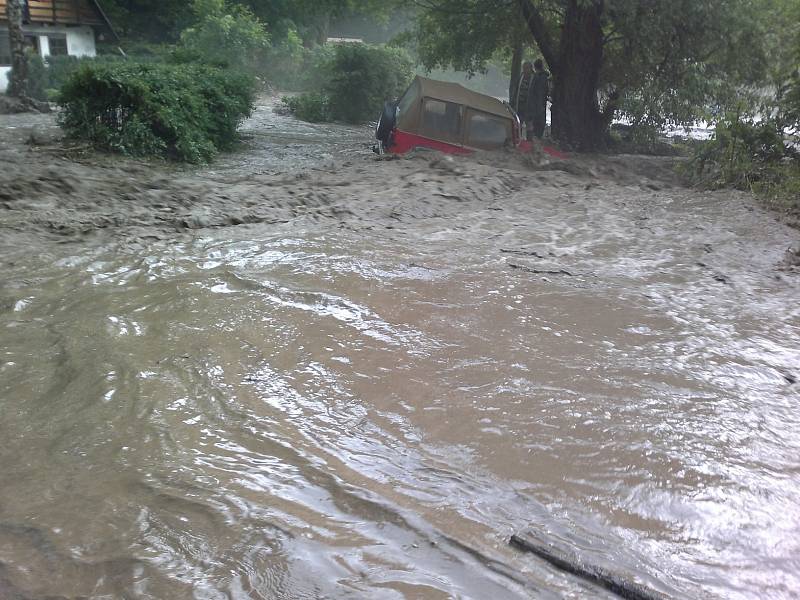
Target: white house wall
pixel 80 42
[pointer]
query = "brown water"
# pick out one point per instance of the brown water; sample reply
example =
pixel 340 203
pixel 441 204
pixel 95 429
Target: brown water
pixel 303 410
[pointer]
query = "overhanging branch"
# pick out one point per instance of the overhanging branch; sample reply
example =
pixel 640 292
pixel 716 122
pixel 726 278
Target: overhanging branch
pixel 538 28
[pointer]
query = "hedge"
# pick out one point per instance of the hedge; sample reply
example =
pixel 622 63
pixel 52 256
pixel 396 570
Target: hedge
pixel 186 112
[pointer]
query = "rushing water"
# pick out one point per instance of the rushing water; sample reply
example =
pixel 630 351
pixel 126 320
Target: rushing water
pixel 302 412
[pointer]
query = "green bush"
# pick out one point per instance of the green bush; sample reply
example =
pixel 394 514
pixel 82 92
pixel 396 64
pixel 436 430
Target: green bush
pixel 186 112
pixel 313 107
pixel 791 101
pixel 349 82
pixel 38 81
pixel 37 78
pixel 59 68
pixel 741 154
pixel 283 64
pixel 640 139
pixel 752 156
pixel 225 34
pixel 361 78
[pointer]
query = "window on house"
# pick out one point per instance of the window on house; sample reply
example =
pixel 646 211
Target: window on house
pixel 5 50
pixel 58 45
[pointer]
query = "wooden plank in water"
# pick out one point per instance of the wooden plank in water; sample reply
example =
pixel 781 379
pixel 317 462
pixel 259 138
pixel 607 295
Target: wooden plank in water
pixel 566 560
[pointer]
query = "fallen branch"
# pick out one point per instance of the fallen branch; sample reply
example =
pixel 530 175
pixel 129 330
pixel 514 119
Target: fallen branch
pixel 521 252
pixel 571 563
pixel 540 271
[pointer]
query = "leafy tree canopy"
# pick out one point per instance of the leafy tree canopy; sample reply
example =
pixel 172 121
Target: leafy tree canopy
pixel 151 20
pixel 223 33
pixel 163 20
pixel 654 61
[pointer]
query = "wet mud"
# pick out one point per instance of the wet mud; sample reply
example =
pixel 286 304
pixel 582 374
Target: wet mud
pixel 309 372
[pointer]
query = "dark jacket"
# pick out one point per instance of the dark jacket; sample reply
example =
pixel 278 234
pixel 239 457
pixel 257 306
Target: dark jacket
pixel 530 95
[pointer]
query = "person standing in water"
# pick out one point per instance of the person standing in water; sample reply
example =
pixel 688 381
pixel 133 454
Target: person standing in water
pixel 539 91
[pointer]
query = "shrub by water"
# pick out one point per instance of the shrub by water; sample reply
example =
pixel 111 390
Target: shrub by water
pixel 186 112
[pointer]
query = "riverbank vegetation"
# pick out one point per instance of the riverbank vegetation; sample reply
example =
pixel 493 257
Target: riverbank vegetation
pixel 183 101
pixel 187 112
pixel 756 144
pixel 352 82
pixel 664 67
pixel 755 156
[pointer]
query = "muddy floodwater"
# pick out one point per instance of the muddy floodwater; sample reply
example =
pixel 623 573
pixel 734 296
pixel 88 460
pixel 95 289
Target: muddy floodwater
pixel 303 372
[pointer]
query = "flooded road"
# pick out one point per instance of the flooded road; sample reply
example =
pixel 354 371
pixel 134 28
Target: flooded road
pixel 365 396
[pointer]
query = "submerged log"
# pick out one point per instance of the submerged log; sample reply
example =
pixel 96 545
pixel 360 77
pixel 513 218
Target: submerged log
pixel 566 560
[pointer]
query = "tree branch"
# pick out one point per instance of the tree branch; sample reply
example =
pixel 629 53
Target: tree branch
pixel 448 8
pixel 540 33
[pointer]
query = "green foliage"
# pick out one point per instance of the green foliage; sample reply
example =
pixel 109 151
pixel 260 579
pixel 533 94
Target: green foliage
pixel 663 61
pixel 313 107
pixel 677 61
pixel 187 112
pixel 59 68
pixel 761 155
pixel 163 20
pixel 744 154
pixel 789 92
pixel 464 35
pixel 37 83
pixel 350 82
pixel 227 35
pixel 312 18
pixel 45 77
pixel 283 63
pixel 362 77
pixel 153 20
pixel 290 66
pixel 641 139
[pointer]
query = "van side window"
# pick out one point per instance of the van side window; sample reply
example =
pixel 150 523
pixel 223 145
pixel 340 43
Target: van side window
pixel 441 120
pixel 487 131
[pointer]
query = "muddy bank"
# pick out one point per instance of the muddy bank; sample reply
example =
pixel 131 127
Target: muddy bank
pixel 359 377
pixel 285 170
pixel 45 188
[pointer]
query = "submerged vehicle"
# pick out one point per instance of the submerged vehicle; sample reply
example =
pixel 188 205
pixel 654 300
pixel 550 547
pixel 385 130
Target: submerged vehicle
pixel 446 117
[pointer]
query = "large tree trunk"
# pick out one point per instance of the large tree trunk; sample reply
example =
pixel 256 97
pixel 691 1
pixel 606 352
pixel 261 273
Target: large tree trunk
pixel 576 118
pixel 19 63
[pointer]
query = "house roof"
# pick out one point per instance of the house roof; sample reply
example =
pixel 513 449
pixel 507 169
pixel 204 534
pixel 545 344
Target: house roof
pixel 65 12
